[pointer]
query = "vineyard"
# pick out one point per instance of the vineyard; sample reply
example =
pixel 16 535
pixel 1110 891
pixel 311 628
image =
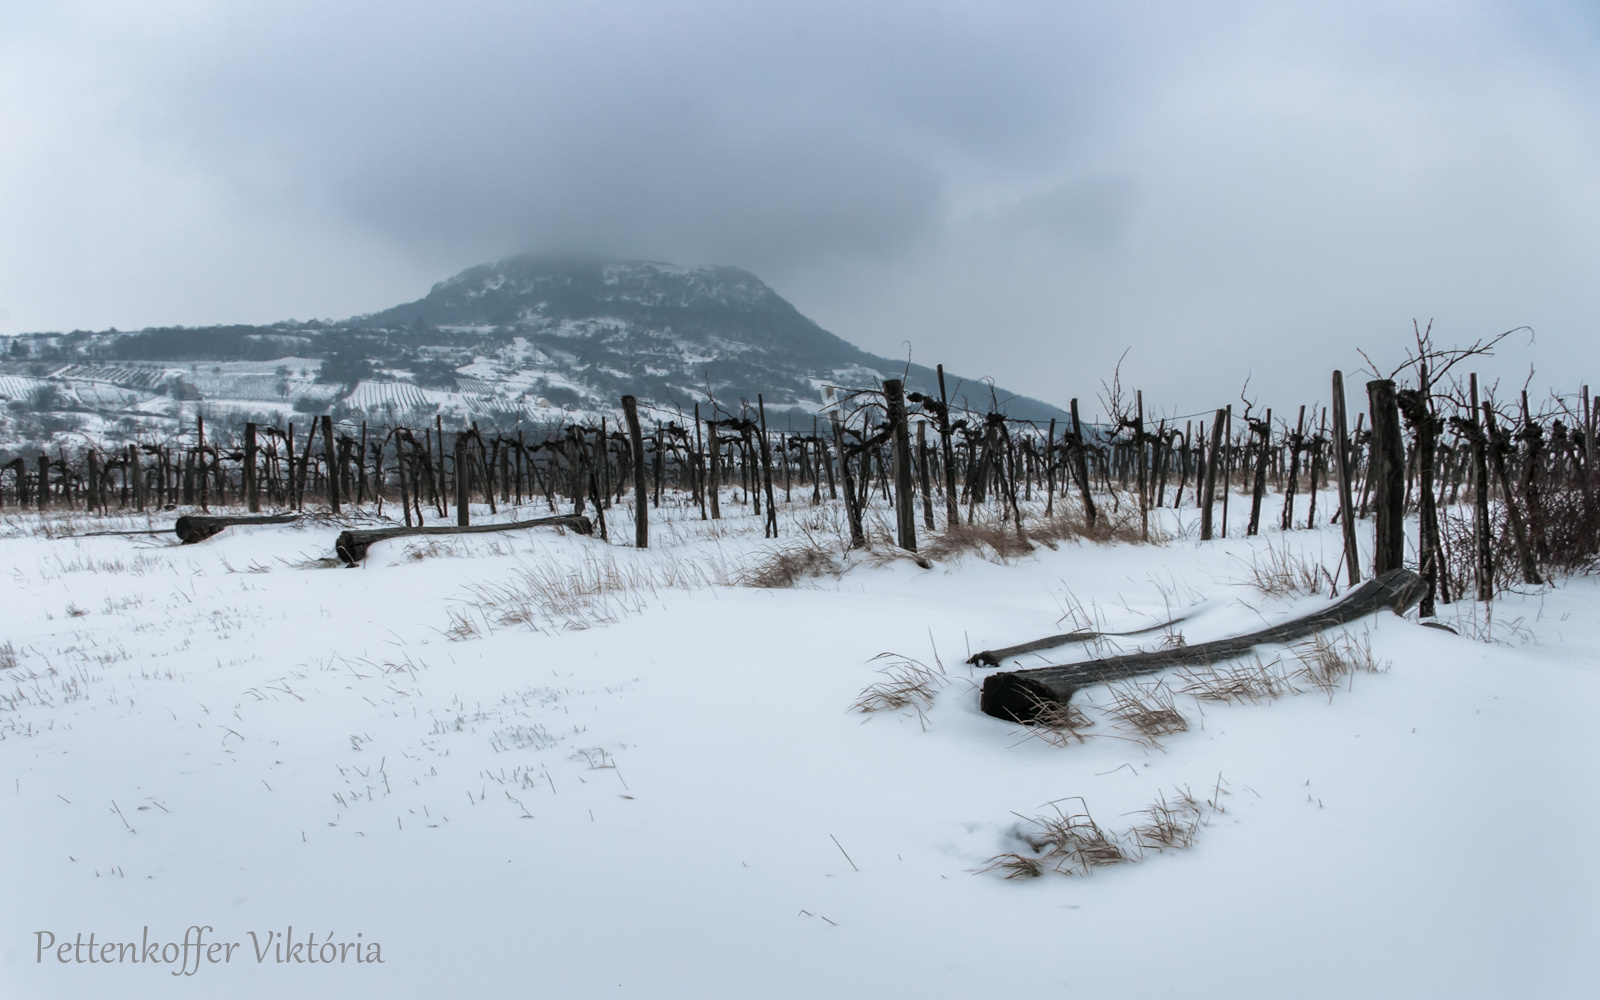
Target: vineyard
pixel 625 698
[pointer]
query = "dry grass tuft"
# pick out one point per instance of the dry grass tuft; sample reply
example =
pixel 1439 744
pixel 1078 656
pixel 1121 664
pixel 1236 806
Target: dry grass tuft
pixel 1073 843
pixel 1002 540
pixel 1110 526
pixel 907 683
pixel 599 590
pixel 462 625
pixel 1326 661
pixel 1253 682
pixel 1168 826
pixel 1146 709
pixel 8 655
pixel 787 567
pixel 1059 724
pixel 1015 865
pixel 312 562
pixel 1281 573
pixel 430 548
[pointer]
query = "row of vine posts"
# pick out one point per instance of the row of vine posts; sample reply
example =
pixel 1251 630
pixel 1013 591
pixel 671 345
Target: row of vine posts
pixel 1426 446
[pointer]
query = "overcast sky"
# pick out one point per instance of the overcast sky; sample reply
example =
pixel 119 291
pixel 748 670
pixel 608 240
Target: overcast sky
pixel 1016 190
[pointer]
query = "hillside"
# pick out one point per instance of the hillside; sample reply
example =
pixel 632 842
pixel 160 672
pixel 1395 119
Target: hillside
pixel 529 338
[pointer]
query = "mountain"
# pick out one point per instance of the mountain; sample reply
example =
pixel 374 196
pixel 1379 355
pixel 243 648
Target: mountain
pixel 530 338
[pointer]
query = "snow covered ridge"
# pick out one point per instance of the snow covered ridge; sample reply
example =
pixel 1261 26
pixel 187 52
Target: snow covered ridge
pixel 602 769
pixel 529 337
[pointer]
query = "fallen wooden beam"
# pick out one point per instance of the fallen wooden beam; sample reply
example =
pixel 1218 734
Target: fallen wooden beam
pixel 994 657
pixel 193 528
pixel 352 545
pixel 1020 695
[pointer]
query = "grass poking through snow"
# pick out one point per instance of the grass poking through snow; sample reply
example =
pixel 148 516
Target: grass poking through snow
pixel 1074 843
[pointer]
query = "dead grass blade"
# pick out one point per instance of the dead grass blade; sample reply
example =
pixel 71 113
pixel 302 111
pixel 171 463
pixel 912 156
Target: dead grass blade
pixel 907 683
pixel 1146 709
pixel 1073 843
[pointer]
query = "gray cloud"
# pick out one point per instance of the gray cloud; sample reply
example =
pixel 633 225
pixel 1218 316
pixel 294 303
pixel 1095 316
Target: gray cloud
pixel 1019 190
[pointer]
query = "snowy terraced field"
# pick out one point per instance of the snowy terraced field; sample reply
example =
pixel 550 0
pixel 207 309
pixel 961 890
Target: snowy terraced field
pixel 538 764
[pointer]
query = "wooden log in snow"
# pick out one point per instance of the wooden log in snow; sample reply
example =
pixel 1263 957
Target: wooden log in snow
pixel 193 528
pixel 1019 695
pixel 352 545
pixel 994 657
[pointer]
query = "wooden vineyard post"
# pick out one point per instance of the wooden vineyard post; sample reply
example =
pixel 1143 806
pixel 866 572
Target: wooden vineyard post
pixel 697 467
pixel 1415 410
pixel 93 502
pixel 1263 430
pixel 1519 532
pixel 252 490
pixel 641 507
pixel 483 461
pixel 463 480
pixel 1532 463
pixel 1159 453
pixel 203 490
pixel 330 459
pixel 922 474
pixel 1482 544
pixel 657 468
pixel 858 536
pixel 1387 473
pixel 1050 469
pixel 575 450
pixel 305 466
pixel 438 486
pixel 1227 466
pixel 44 481
pixel 520 471
pixel 714 456
pixel 1183 467
pixel 138 477
pixel 400 470
pixel 1341 464
pixel 591 463
pixel 771 524
pixel 1138 455
pixel 1318 467
pixel 361 467
pixel 1080 462
pixel 1588 436
pixel 905 510
pixel 1292 487
pixel 1209 490
pixel 952 508
pixel 288 482
pixel 1355 466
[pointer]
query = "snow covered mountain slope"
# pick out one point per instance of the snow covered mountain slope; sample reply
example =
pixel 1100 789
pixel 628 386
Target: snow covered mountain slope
pixel 527 338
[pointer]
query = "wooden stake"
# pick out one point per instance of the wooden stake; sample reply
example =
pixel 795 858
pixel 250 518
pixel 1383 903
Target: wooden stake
pixel 641 511
pixel 463 480
pixel 1209 490
pixel 904 497
pixel 1341 461
pixel 1387 465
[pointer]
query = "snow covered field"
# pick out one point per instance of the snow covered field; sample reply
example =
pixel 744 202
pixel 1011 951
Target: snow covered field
pixel 541 765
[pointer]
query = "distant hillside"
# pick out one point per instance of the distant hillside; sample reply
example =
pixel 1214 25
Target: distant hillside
pixel 530 338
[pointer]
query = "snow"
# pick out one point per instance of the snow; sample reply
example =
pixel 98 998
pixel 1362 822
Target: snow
pixel 370 395
pixel 675 799
pixel 17 387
